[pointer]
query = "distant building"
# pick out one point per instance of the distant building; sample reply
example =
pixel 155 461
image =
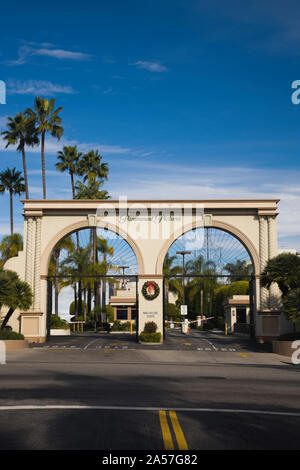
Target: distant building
pixel 123 300
pixel 237 311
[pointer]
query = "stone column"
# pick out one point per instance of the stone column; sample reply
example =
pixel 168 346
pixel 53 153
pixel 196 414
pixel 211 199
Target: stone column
pixel 37 266
pixel 263 255
pixel 273 251
pixel 29 251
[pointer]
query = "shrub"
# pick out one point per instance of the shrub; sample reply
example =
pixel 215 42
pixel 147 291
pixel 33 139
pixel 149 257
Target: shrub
pixel 7 334
pixel 72 307
pixel 119 326
pixel 150 327
pixel 150 337
pixel 57 323
pixel 173 312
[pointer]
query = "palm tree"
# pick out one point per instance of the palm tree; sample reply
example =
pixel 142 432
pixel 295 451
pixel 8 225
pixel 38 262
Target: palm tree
pixel 69 159
pixel 21 131
pixel 18 295
pixel 10 247
pixel 77 263
pixel 171 284
pixel 65 244
pixel 238 270
pixel 13 182
pixel 91 190
pixel 90 166
pixel 105 250
pixel 46 119
pixel 283 269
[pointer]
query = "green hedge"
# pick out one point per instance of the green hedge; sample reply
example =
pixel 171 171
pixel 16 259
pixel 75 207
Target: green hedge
pixel 150 337
pixel 57 323
pixel 122 326
pixel 7 334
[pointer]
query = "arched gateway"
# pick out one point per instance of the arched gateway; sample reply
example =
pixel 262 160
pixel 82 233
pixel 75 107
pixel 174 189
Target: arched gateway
pixel 150 228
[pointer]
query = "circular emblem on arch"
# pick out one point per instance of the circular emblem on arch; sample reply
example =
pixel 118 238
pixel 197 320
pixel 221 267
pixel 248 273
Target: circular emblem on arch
pixel 150 290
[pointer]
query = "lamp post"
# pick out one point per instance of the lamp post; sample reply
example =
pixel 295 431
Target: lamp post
pixel 183 253
pixel 123 269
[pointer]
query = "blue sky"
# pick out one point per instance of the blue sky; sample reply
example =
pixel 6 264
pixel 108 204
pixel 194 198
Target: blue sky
pixel 186 99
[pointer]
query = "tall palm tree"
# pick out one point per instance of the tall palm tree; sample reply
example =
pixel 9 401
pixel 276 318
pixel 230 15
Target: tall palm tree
pixel 21 131
pixel 105 250
pixel 13 182
pixel 238 270
pixel 90 166
pixel 65 244
pixel 46 119
pixel 77 263
pixel 10 247
pixel 171 284
pixel 68 160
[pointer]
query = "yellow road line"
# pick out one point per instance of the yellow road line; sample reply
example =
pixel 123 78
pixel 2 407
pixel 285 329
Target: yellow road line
pixel 166 433
pixel 182 444
pixel 242 354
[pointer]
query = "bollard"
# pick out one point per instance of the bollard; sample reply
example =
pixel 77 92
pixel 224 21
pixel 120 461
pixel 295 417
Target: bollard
pixel 225 329
pixel 2 352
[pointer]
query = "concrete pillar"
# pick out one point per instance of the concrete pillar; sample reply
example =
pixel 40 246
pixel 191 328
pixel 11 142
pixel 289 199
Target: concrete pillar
pixel 274 292
pixel 37 266
pixel 263 255
pixel 150 310
pixel 29 251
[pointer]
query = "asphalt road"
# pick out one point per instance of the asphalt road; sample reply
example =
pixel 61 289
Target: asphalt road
pixel 192 397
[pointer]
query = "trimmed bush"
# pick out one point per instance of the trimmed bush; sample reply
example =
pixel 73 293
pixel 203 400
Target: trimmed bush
pixel 122 326
pixel 150 337
pixel 150 327
pixel 57 323
pixel 7 334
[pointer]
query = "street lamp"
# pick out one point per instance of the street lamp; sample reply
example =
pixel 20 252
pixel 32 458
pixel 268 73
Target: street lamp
pixel 183 253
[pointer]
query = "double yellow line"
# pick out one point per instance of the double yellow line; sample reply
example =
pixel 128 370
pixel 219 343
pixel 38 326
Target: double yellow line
pixel 166 432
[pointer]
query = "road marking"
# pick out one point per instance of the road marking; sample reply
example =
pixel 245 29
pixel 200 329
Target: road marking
pixel 242 354
pixel 182 444
pixel 187 344
pixel 91 342
pixel 146 408
pixel 166 433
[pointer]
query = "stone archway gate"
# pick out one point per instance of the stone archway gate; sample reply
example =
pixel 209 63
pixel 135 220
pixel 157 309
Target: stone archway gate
pixel 150 227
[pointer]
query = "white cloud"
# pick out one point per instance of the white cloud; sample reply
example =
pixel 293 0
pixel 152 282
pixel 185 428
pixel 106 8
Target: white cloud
pixel 150 66
pixel 61 54
pixel 36 87
pixel 52 146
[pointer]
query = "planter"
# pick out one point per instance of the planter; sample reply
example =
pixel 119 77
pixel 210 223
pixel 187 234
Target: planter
pixel 59 332
pixel 283 348
pixel 149 343
pixel 13 344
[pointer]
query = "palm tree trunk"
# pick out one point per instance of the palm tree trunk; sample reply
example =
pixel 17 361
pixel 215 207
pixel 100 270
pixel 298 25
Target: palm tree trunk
pixel 73 194
pixel 72 184
pixel 7 317
pixel 11 213
pixel 43 164
pixel 56 281
pixel 25 173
